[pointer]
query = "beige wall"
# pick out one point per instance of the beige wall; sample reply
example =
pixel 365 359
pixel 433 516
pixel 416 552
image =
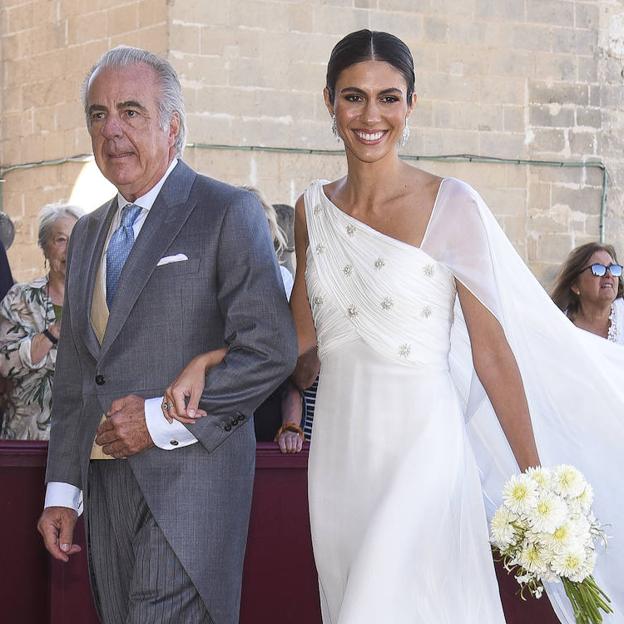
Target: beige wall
pixel 531 79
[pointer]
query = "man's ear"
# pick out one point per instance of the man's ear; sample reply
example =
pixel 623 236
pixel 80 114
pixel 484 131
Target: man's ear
pixel 174 128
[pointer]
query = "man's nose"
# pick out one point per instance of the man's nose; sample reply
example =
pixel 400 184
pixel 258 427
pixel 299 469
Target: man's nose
pixel 112 127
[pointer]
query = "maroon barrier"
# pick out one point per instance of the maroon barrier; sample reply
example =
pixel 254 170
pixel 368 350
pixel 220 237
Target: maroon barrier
pixel 279 585
pixel 24 564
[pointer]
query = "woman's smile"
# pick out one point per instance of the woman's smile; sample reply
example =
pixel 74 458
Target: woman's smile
pixel 370 137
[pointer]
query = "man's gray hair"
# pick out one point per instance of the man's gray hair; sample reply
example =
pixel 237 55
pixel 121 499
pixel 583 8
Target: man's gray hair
pixel 170 102
pixel 50 214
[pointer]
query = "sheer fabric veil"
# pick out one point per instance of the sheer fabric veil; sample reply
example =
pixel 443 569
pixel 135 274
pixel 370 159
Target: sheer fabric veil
pixel 574 381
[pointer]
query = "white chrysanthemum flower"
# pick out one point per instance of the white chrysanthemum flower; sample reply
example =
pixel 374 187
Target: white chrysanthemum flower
pixel 568 481
pixel 501 528
pixel 541 476
pixel 581 527
pixel 572 563
pixel 586 498
pixel 562 538
pixel 590 562
pixel 520 493
pixel 548 513
pixel 534 558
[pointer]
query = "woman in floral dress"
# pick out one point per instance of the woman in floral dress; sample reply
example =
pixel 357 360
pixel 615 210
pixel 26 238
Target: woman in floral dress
pixel 30 323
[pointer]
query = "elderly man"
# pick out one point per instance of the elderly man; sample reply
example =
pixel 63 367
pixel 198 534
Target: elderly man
pixel 174 265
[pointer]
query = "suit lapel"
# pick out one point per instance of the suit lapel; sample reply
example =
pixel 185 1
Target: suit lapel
pixel 94 240
pixel 163 223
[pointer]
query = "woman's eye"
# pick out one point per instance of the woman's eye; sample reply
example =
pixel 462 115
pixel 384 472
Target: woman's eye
pixel 353 98
pixel 389 99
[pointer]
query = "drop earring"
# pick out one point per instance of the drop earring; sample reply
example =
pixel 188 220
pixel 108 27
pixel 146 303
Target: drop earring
pixel 405 136
pixel 334 128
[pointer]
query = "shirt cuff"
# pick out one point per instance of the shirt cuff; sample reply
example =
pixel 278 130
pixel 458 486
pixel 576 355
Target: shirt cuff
pixel 165 435
pixel 60 494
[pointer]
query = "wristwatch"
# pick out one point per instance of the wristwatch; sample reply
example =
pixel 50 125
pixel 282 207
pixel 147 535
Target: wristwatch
pixel 50 336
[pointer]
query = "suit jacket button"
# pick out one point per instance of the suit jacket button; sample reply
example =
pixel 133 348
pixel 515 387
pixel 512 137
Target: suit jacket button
pixel 228 427
pixel 173 442
pixel 100 380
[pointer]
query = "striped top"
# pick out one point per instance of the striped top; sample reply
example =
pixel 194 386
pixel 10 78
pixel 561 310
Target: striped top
pixel 309 402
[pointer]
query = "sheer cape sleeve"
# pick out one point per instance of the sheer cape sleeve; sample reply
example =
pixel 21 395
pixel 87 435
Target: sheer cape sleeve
pixel 573 380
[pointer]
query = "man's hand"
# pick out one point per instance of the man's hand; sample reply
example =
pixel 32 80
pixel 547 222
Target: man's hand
pixel 56 525
pixel 124 431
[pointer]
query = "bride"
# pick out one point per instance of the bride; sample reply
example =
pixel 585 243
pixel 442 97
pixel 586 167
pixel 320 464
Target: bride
pixel 435 345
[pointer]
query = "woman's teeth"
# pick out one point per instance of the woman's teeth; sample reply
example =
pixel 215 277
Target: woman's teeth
pixel 369 136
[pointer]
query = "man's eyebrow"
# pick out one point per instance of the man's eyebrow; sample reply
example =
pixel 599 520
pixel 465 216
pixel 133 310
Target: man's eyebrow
pixel 131 104
pixel 96 107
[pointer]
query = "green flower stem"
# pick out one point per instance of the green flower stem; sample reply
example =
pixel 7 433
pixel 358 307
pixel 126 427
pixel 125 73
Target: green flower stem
pixel 587 600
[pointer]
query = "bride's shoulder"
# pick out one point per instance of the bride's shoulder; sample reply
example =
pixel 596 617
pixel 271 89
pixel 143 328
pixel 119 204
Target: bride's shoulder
pixel 312 196
pixel 457 189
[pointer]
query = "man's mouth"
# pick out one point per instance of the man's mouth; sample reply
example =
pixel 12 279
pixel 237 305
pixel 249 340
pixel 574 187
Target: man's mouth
pixel 119 155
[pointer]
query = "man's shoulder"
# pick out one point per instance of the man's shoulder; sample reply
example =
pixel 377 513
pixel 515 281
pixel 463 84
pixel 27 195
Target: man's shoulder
pixel 95 216
pixel 223 191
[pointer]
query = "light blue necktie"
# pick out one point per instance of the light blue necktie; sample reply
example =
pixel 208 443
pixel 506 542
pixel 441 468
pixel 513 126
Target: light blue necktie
pixel 119 248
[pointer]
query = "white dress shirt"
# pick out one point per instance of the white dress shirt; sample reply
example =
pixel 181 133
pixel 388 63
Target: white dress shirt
pixel 165 435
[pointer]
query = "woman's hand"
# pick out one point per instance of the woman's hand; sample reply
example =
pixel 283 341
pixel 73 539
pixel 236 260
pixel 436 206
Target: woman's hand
pixel 290 436
pixel 289 442
pixel 181 400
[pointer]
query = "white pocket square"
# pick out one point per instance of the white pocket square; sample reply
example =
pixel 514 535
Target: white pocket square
pixel 170 259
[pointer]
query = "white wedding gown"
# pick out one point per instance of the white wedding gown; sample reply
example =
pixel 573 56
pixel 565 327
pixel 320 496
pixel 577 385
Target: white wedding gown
pixel 398 522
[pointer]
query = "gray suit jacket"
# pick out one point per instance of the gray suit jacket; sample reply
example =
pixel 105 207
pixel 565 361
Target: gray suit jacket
pixel 228 291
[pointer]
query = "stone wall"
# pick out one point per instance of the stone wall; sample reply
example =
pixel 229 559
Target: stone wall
pixel 516 79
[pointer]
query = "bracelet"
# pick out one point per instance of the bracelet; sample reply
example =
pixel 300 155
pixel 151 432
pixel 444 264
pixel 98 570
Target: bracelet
pixel 289 427
pixel 50 336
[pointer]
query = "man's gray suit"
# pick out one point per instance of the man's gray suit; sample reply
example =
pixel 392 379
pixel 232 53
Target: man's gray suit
pixel 228 291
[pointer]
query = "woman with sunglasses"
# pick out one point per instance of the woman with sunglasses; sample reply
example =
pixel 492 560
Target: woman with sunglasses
pixel 589 290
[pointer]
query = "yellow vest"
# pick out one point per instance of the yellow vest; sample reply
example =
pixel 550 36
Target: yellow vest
pixel 99 320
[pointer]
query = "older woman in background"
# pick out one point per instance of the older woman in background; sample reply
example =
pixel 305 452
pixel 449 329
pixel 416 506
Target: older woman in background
pixel 30 323
pixel 589 290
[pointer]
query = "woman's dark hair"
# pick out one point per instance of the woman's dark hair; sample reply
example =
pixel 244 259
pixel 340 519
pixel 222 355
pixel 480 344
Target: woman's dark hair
pixel 370 45
pixel 577 260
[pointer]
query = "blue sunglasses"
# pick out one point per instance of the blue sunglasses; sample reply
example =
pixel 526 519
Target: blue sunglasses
pixel 600 270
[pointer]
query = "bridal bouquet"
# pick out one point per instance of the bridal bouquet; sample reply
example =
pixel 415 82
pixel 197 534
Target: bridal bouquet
pixel 545 531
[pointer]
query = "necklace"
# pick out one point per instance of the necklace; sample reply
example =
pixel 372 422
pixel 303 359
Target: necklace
pixel 612 334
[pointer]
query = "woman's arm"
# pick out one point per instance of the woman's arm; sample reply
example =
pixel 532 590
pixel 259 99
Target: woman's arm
pixel 307 367
pixel 498 371
pixel 290 435
pixel 189 385
pixel 41 344
pixel 23 349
